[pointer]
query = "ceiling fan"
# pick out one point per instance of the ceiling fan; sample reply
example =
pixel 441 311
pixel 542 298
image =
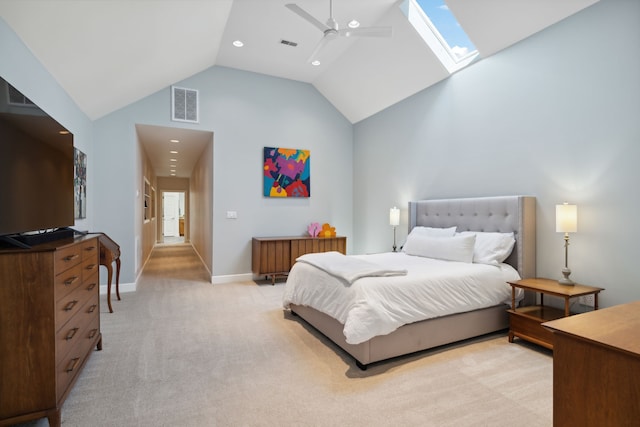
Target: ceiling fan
pixel 331 30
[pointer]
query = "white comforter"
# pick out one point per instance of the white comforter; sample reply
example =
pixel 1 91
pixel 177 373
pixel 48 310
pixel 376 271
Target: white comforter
pixel 373 306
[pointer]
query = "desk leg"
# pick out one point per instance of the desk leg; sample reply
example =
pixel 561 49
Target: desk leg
pixel 109 274
pixel 117 278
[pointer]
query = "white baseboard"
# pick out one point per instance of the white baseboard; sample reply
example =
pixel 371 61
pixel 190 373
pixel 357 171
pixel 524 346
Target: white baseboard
pixel 217 280
pixel 231 278
pixel 124 287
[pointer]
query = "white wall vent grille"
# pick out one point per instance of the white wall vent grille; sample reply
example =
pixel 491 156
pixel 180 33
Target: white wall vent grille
pixel 184 104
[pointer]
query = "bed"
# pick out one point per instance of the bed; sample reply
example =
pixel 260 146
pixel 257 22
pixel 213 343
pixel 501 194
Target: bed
pixel 483 215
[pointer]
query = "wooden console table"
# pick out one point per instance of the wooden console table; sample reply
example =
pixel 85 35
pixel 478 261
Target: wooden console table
pixel 596 366
pixel 109 252
pixel 274 256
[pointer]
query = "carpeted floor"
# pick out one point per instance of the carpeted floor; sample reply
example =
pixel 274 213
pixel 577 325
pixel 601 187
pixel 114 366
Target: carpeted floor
pixel 183 352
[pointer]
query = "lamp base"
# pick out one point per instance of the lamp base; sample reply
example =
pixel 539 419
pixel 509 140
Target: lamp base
pixel 565 280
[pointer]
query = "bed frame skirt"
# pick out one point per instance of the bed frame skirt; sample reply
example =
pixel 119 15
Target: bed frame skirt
pixel 409 338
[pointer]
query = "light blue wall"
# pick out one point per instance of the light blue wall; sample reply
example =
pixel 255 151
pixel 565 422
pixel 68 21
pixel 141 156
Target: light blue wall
pixel 246 112
pixel 19 67
pixel 556 116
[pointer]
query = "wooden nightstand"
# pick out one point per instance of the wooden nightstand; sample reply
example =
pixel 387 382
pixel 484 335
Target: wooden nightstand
pixel 526 322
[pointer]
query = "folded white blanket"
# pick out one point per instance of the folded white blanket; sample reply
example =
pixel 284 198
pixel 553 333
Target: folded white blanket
pixel 348 268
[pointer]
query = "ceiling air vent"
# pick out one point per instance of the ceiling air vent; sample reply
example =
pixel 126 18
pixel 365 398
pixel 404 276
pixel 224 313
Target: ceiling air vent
pixel 184 104
pixel 288 43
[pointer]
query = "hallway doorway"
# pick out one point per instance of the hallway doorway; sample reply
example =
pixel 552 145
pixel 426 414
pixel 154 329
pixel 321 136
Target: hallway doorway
pixel 173 217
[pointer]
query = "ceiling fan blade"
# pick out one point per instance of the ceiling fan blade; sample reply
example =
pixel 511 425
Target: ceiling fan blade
pixel 306 16
pixel 367 32
pixel 321 44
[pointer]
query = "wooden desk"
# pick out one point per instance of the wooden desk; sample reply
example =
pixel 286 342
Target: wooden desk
pixel 109 252
pixel 596 367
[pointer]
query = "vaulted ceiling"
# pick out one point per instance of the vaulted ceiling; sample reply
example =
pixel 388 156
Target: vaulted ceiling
pixel 107 54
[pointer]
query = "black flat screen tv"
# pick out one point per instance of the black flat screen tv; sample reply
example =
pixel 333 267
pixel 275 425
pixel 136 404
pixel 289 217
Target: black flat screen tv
pixel 36 168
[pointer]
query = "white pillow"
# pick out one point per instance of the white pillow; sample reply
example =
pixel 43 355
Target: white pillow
pixel 491 248
pixel 456 248
pixel 434 232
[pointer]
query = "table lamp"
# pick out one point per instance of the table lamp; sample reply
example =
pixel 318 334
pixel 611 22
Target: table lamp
pixel 394 221
pixel 566 222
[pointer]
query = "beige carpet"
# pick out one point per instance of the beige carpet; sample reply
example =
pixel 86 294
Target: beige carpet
pixel 183 352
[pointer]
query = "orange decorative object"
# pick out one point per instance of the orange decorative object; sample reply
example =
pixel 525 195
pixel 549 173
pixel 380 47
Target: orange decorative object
pixel 327 231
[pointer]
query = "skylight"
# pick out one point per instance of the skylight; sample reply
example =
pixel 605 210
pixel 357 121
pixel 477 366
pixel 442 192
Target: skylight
pixel 442 32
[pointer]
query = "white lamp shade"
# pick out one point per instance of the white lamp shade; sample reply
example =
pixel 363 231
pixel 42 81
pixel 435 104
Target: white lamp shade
pixel 394 216
pixel 566 218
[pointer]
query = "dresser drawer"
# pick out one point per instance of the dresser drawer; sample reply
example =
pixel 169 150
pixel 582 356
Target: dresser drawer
pixel 67 281
pixel 90 249
pixel 69 366
pixel 67 257
pixel 76 327
pixel 69 305
pixel 89 267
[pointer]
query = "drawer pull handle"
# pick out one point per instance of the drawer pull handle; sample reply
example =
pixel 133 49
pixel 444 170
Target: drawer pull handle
pixel 72 364
pixel 91 286
pixel 71 257
pixel 90 248
pixel 70 280
pixel 71 334
pixel 91 266
pixel 70 306
pixel 92 308
pixel 93 333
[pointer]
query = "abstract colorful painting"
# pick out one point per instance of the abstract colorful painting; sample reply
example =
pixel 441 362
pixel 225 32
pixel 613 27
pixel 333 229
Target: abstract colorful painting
pixel 286 172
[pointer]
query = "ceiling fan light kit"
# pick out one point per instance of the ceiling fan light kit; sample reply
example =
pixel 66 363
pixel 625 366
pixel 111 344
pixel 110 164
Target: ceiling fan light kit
pixel 331 31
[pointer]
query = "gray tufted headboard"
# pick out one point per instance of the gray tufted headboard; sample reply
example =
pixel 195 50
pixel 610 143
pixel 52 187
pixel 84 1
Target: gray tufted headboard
pixel 502 214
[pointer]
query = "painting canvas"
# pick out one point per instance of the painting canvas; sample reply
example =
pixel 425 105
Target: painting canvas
pixel 80 184
pixel 286 172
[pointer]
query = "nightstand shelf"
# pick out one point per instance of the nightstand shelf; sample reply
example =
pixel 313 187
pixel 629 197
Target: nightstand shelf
pixel 526 322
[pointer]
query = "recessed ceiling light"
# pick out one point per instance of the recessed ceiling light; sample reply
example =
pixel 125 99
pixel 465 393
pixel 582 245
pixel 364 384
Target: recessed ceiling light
pixel 63 132
pixel 173 160
pixel 174 140
pixel 315 63
pixel 353 24
pixel 173 152
pixel 238 43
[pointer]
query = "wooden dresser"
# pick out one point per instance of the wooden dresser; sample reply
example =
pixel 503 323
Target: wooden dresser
pixel 274 256
pixel 49 324
pixel 596 367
